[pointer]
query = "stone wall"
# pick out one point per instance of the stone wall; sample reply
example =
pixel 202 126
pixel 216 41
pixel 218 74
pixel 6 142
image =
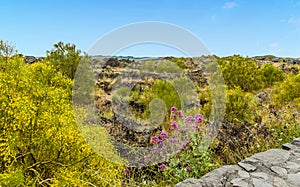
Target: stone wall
pixel 275 167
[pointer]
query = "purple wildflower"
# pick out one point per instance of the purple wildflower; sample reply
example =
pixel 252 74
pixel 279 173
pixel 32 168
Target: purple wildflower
pixel 164 148
pixel 174 124
pixel 210 134
pixel 173 116
pixel 180 114
pixel 162 167
pixel 185 143
pixel 141 165
pixel 127 171
pixel 188 169
pixel 159 141
pixel 163 135
pixel 174 140
pixel 189 119
pixel 154 139
pixel 199 118
pixel 173 109
pixel 146 159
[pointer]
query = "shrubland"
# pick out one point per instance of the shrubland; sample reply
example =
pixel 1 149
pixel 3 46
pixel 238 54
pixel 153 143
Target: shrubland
pixel 41 144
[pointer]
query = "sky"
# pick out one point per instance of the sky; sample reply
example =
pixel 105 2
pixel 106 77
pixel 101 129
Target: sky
pixel 244 27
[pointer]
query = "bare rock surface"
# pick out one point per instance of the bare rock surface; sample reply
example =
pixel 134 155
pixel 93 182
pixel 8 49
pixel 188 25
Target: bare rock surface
pixel 275 167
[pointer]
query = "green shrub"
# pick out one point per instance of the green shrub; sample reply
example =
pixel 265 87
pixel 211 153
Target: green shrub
pixel 240 106
pixel 240 72
pixel 167 67
pixel 163 90
pixel 288 90
pixel 65 58
pixel 271 75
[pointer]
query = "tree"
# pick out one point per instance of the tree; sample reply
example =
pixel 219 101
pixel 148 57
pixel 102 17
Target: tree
pixel 6 49
pixel 65 58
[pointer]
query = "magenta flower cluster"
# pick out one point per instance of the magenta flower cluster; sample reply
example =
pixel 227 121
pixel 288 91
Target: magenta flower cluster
pixel 158 140
pixel 177 127
pixel 174 125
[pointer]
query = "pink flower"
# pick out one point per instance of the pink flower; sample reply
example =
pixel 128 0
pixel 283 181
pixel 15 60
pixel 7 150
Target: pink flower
pixel 173 116
pixel 154 139
pixel 185 143
pixel 173 109
pixel 210 134
pixel 163 135
pixel 164 148
pixel 174 124
pixel 127 171
pixel 180 114
pixel 162 167
pixel 159 141
pixel 174 140
pixel 141 165
pixel 199 118
pixel 189 119
pixel 188 169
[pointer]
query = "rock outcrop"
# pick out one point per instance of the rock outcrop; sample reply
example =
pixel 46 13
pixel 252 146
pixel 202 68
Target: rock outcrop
pixel 32 59
pixel 275 167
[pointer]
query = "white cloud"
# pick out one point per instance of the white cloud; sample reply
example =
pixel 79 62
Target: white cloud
pixel 294 21
pixel 229 5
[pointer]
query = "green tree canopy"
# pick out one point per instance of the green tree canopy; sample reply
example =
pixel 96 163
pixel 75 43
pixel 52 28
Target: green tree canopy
pixel 65 58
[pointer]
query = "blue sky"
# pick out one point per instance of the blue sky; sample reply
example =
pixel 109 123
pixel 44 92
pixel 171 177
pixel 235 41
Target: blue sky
pixel 229 27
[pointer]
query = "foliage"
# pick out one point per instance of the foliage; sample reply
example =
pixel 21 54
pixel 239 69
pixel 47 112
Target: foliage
pixel 180 62
pixel 240 72
pixel 240 106
pixel 190 158
pixel 288 90
pixel 167 67
pixel 163 90
pixel 270 75
pixel 84 83
pixel 39 140
pixel 6 49
pixel 65 58
pixel 171 93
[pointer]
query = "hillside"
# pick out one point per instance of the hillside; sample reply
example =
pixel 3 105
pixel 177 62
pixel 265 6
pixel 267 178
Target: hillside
pixel 174 105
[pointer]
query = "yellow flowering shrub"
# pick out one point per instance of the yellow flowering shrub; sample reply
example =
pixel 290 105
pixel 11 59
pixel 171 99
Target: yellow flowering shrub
pixel 39 140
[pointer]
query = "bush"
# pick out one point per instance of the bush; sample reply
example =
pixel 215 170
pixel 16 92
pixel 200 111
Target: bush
pixel 186 142
pixel 270 75
pixel 39 140
pixel 240 106
pixel 287 90
pixel 162 90
pixel 240 72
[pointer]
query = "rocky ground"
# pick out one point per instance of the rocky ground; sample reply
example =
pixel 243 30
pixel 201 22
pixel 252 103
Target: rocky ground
pixel 275 167
pixel 108 70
